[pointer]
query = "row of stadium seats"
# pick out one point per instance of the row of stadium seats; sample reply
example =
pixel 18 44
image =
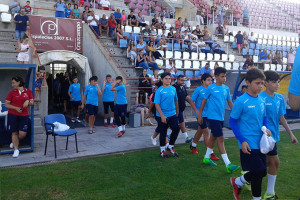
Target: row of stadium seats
pixel 267 42
pixel 5 16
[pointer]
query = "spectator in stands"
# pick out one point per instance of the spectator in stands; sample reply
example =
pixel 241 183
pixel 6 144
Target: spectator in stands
pixel 68 11
pixel 290 59
pixel 263 56
pixel 236 15
pixel 227 14
pixel 112 25
pixel 22 22
pixel 141 46
pixel 93 21
pixel 219 30
pixel 199 16
pixel 165 13
pixel 202 46
pixel 199 33
pixel 245 17
pixel 141 104
pixel 206 38
pixel 248 63
pixel 184 28
pixel 217 48
pixel 28 8
pixel 194 45
pixel 252 38
pixel 162 22
pixel 171 35
pixel 214 8
pixel 239 40
pixel 178 23
pixel 151 61
pixel 145 81
pixel 103 24
pixel 155 22
pixel 193 35
pixel 163 33
pixel 76 11
pixel 124 21
pixel 221 13
pixel 171 68
pixel 132 50
pixel 118 16
pixel 119 33
pixel 185 22
pixel 171 13
pixel 146 31
pixel 132 19
pixel 186 38
pixel 105 4
pixel 151 47
pixel 142 60
pixel 277 58
pixel 204 31
pixel 152 11
pixel 206 70
pixel 163 43
pixel 270 57
pixel 245 41
pixel 14 7
pixel 155 78
pixel 60 9
pixel 23 50
pixel 85 13
pixel 178 36
pixel 140 20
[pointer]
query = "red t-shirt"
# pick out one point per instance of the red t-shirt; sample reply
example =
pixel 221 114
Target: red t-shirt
pixel 111 23
pixel 17 99
pixel 27 9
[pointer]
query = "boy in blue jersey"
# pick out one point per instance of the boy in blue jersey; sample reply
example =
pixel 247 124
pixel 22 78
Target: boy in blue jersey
pixel 216 97
pixel 275 111
pixel 166 104
pixel 197 97
pixel 90 100
pixel 75 99
pixel 108 100
pixel 246 120
pixel 121 104
pixel 294 90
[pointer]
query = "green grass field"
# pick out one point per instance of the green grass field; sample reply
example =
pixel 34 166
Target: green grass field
pixel 144 175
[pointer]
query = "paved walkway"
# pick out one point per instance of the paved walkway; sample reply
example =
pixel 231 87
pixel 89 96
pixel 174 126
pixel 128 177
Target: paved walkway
pixel 104 141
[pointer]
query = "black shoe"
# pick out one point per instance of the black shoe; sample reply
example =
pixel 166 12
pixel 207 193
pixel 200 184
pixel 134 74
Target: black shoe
pixel 173 152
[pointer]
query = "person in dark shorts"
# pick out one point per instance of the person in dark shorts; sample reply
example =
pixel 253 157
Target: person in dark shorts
pixel 108 101
pixel 75 99
pixel 17 102
pixel 64 87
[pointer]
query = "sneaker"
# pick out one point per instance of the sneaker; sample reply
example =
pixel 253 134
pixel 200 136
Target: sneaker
pixel 163 154
pixel 208 161
pixel 173 152
pixel 194 149
pixel 270 196
pixel 235 188
pixel 77 120
pixel 105 124
pixel 120 134
pixel 16 153
pixel 188 139
pixel 112 125
pixel 247 185
pixel 153 141
pixel 90 131
pixel 232 168
pixel 214 157
pixel 11 145
pixel 73 120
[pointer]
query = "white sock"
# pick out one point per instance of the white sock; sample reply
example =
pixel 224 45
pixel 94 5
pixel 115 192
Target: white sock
pixel 208 152
pixel 167 145
pixel 120 128
pixel 225 158
pixel 256 198
pixel 169 132
pixel 105 120
pixel 271 184
pixel 123 127
pixel 194 144
pixel 185 135
pixel 162 148
pixel 240 181
pixel 170 146
pixel 111 120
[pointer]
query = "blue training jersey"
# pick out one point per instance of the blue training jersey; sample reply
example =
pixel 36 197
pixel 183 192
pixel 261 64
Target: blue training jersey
pixel 121 94
pixel 91 93
pixel 275 107
pixel 108 95
pixel 295 78
pixel 217 96
pixel 197 97
pixel 166 98
pixel 74 90
pixel 250 112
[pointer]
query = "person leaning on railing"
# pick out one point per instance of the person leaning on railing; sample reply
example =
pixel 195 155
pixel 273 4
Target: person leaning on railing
pixel 60 9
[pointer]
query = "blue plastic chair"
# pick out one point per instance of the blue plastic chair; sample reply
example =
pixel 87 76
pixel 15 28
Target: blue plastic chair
pixel 176 47
pixel 189 74
pixel 274 48
pixel 251 52
pixel 284 54
pixel 169 46
pixel 284 48
pixel 263 46
pixel 179 72
pixel 123 43
pixel 135 36
pixel 198 74
pixel 256 52
pixel 149 72
pixel 269 47
pixel 126 34
pixel 184 47
pixel 234 45
pixel 252 46
pixel 279 48
pixel 245 52
pixel 258 46
pixel 49 128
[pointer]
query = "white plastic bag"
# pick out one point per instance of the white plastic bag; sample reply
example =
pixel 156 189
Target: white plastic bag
pixel 267 143
pixel 60 127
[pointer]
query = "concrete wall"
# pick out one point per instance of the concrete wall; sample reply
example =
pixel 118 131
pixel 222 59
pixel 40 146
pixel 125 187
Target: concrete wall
pixel 188 11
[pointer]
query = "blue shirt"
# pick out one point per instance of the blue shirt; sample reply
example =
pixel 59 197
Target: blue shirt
pixel 74 90
pixel 205 71
pixel 239 38
pixel 103 21
pixel 250 112
pixel 263 57
pixel 295 78
pixel 166 98
pixel 15 9
pixel 217 96
pixel 275 107
pixel 121 94
pixel 91 93
pixel 108 95
pixel 246 13
pixel 197 97
pixel 60 7
pixel 68 12
pixel 139 46
pixel 118 15
pixel 214 45
pixel 22 26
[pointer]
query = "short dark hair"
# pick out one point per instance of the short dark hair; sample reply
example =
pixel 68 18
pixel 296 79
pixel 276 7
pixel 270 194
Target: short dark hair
pixel 180 76
pixel 204 77
pixel 271 75
pixel 108 75
pixel 119 78
pixel 94 78
pixel 244 86
pixel 42 67
pixel 253 74
pixel 220 70
pixel 163 75
pixel 74 77
pixel 19 79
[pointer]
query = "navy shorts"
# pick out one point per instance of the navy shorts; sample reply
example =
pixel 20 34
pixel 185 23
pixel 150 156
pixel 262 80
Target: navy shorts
pixel 75 104
pixel 91 109
pixel 216 127
pixel 180 117
pixel 157 130
pixel 204 124
pixel 254 162
pixel 106 106
pixel 274 151
pixel 120 110
pixel 17 123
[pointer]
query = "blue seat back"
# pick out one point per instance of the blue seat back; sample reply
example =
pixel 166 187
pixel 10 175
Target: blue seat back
pixel 252 46
pixel 284 54
pixel 179 72
pixel 149 72
pixel 234 45
pixel 279 48
pixel 123 43
pixel 251 52
pixel 263 46
pixel 176 47
pixel 274 48
pixel 284 48
pixel 184 47
pixel 135 36
pixel 269 47
pixel 197 74
pixel 207 48
pixel 245 52
pixel 54 118
pixel 126 34
pixel 189 74
pixel 169 46
pixel 258 46
pixel 256 52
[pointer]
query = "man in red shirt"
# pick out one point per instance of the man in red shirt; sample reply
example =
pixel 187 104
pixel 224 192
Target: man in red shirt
pixel 112 25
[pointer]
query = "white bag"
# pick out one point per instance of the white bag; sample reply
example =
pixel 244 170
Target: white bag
pixel 267 143
pixel 60 127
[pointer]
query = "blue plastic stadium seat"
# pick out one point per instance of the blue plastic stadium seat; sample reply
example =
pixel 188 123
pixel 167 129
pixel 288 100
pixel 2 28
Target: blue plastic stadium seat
pixel 263 46
pixel 279 48
pixel 184 47
pixel 245 52
pixel 274 48
pixel 234 45
pixel 123 43
pixel 284 48
pixel 258 46
pixel 251 52
pixel 197 74
pixel 189 74
pixel 256 52
pixel 149 72
pixel 135 36
pixel 269 47
pixel 126 34
pixel 284 53
pixel 176 47
pixel 169 46
pixel 252 46
pixel 179 72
